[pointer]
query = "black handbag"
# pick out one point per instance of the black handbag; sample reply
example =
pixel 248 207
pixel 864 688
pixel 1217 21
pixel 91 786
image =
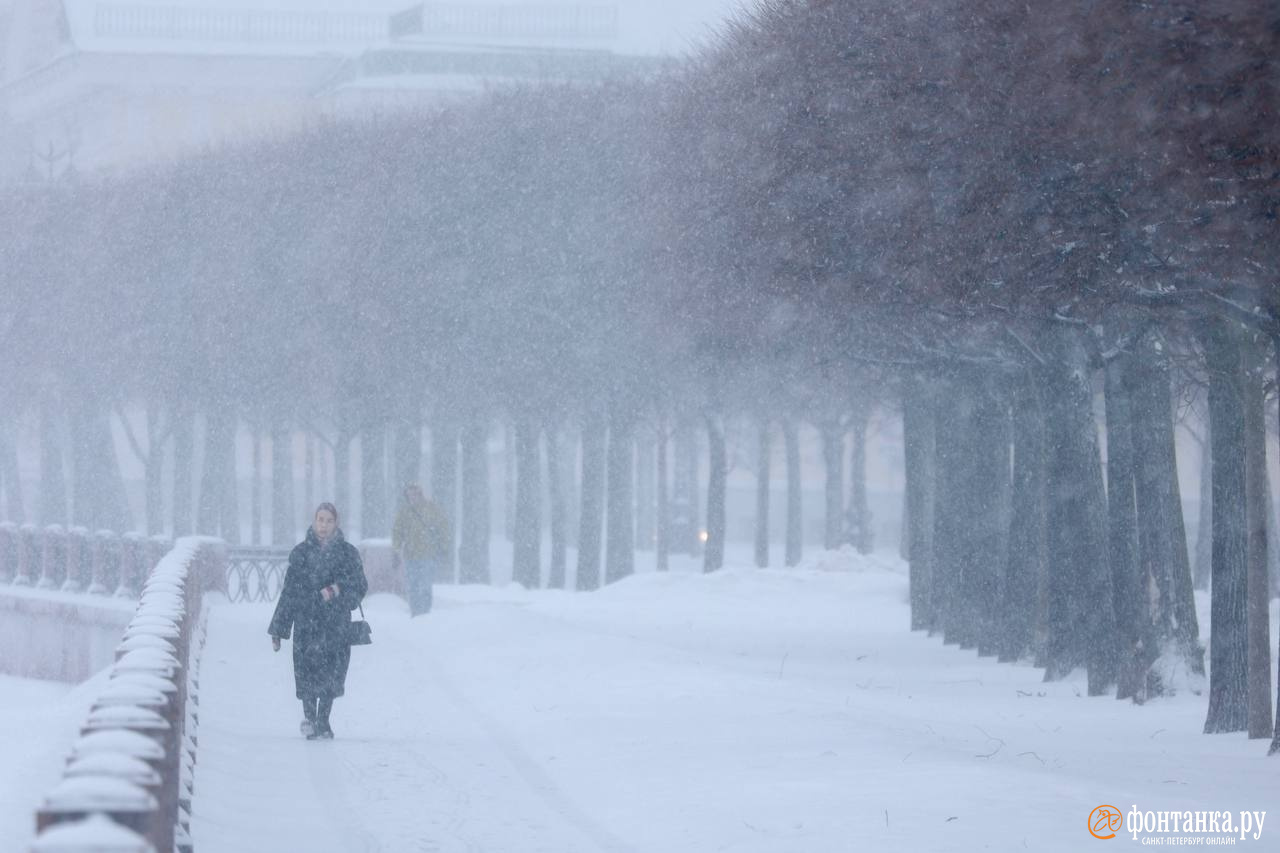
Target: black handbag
pixel 358 631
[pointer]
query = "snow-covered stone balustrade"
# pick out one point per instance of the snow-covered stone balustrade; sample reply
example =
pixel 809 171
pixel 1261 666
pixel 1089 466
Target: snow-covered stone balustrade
pixel 65 596
pixel 128 781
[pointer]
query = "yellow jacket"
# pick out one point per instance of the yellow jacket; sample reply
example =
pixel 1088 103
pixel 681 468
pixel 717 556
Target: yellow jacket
pixel 422 531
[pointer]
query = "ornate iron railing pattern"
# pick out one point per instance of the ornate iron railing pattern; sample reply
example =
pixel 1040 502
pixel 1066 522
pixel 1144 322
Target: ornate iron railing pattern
pixel 255 574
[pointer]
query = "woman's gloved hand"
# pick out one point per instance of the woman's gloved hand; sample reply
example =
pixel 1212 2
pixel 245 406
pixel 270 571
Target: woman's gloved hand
pixel 275 644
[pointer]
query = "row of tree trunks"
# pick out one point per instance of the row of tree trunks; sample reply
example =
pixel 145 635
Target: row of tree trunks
pixel 764 442
pixel 444 482
pixel 10 483
pixel 184 447
pixel 833 458
pixel 1025 568
pixel 556 478
pixel 685 504
pixel 620 551
pixel 527 544
pixel 717 492
pixel 218 510
pixel 591 516
pixel 857 521
pixel 918 433
pixel 1257 584
pixel 1137 649
pixel 1228 682
pixel 1275 739
pixel 972 463
pixel 662 534
pixel 1081 622
pixel 98 493
pixel 1204 525
pixel 646 488
pixel 474 526
pixel 1240 671
pixel 795 499
pixel 283 518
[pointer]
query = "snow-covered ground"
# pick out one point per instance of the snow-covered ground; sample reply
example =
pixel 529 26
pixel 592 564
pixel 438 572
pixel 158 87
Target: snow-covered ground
pixel 742 711
pixel 39 720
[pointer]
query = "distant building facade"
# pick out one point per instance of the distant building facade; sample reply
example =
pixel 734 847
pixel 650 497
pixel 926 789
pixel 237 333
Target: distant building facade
pixel 108 86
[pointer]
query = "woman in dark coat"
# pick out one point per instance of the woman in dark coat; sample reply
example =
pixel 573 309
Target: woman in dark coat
pixel 324 583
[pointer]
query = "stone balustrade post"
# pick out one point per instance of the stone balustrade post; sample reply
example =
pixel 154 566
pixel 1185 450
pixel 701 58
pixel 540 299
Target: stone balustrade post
pixel 53 547
pixel 132 565
pixel 78 560
pixel 28 540
pixel 8 551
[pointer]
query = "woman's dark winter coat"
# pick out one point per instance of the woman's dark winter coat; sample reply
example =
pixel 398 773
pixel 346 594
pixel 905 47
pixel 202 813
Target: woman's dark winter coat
pixel 321 653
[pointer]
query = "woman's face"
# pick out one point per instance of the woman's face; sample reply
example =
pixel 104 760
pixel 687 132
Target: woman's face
pixel 324 524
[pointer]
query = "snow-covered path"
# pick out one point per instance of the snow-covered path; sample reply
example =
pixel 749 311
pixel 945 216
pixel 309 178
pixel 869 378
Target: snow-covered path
pixel 416 765
pixel 744 711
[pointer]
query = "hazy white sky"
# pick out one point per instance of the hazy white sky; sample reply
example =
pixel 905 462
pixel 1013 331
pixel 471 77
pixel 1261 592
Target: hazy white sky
pixel 646 26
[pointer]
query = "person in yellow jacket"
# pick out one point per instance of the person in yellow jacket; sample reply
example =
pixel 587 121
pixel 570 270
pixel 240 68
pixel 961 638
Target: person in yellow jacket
pixel 421 536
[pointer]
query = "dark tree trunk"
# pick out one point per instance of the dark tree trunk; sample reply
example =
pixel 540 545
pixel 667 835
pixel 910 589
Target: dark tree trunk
pixel 14 509
pixel 555 482
pixel 1162 543
pixel 795 495
pixel 53 484
pixel 663 542
pixel 1164 561
pixel 1275 740
pixel 1080 632
pixel 717 484
pixel 526 559
pixel 591 518
pixel 282 532
pixel 620 546
pixel 374 516
pixel 1135 650
pixel 1228 643
pixel 219 502
pixel 646 533
pixel 342 470
pixel 763 462
pixel 183 469
pixel 919 463
pixel 444 484
pixel 309 476
pixel 98 492
pixel 473 552
pixel 1258 589
pixel 509 482
pixel 857 526
pixel 153 471
pixel 975 455
pixel 904 528
pixel 1204 527
pixel 408 451
pixel 1273 541
pixel 255 491
pixel 833 456
pixel 1025 568
pixel 684 507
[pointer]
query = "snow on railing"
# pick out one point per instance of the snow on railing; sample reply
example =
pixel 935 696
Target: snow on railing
pixel 75 560
pixel 128 781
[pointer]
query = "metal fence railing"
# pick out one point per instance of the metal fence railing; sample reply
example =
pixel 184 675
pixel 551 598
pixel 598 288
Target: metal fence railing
pixel 255 573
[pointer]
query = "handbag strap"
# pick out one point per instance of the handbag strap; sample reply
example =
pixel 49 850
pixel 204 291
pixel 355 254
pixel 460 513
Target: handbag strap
pixel 361 606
